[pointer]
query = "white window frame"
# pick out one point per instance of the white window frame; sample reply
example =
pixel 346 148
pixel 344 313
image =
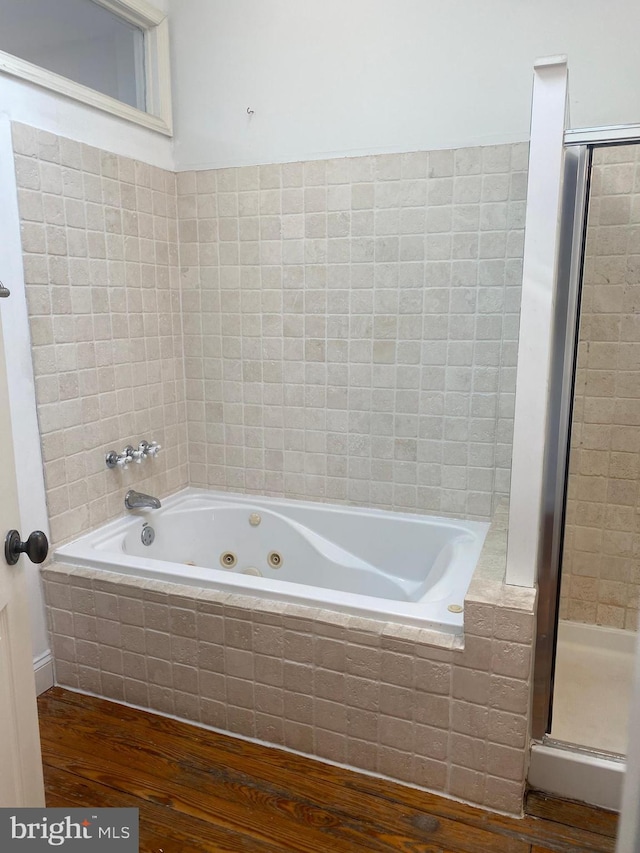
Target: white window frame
pixel 156 66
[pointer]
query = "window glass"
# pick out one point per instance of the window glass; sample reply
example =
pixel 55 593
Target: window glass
pixel 78 39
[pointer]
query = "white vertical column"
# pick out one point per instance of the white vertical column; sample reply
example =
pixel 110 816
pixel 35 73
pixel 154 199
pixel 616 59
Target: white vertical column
pixel 536 319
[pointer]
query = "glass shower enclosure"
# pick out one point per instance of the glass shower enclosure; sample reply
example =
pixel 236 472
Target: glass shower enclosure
pixel 590 579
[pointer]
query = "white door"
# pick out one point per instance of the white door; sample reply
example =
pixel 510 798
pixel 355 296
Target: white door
pixel 21 781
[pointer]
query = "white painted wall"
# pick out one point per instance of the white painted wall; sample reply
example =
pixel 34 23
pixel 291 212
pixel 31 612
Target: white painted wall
pixel 353 77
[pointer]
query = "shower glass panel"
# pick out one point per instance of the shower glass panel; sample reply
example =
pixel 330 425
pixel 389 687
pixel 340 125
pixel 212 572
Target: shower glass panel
pixel 600 570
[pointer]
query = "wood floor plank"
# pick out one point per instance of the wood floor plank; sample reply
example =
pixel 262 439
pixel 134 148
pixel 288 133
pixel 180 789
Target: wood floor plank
pixel 296 827
pixel 536 849
pixel 192 804
pixel 571 813
pixel 244 787
pixel 158 826
pixel 243 776
pixel 204 793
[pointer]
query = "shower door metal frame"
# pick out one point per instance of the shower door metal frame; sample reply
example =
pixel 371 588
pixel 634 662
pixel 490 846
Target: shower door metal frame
pixel 571 243
pixel 579 145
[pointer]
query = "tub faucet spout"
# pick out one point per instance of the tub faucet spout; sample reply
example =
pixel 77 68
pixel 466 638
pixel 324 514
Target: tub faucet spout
pixel 138 500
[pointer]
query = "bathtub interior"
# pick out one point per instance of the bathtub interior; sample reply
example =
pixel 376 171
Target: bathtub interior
pixel 394 559
pixel 414 567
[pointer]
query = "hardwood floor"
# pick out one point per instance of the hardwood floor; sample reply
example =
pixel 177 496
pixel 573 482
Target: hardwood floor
pixel 199 791
pixel 571 813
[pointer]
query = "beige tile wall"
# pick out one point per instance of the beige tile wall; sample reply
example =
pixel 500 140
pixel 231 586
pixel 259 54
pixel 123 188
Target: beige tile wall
pixel 422 708
pixel 351 327
pixel 601 570
pixel 99 237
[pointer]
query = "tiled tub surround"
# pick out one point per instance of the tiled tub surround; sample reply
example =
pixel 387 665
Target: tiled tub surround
pixel 99 237
pixel 351 327
pixel 447 713
pixel 600 570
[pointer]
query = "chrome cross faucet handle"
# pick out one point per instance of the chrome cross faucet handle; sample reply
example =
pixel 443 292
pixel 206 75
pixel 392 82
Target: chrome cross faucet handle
pixel 138 500
pixel 119 460
pixel 143 451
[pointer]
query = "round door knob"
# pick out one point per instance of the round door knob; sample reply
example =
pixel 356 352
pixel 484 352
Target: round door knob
pixel 36 547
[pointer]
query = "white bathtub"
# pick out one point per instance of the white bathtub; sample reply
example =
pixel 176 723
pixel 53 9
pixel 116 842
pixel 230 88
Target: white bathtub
pixel 392 566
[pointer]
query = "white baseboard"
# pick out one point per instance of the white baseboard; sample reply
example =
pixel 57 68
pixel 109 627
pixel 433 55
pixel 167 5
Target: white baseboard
pixel 43 671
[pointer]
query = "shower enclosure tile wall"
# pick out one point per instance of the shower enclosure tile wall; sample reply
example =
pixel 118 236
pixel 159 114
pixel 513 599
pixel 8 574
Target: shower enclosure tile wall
pixel 351 326
pixel 99 237
pixel 600 570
